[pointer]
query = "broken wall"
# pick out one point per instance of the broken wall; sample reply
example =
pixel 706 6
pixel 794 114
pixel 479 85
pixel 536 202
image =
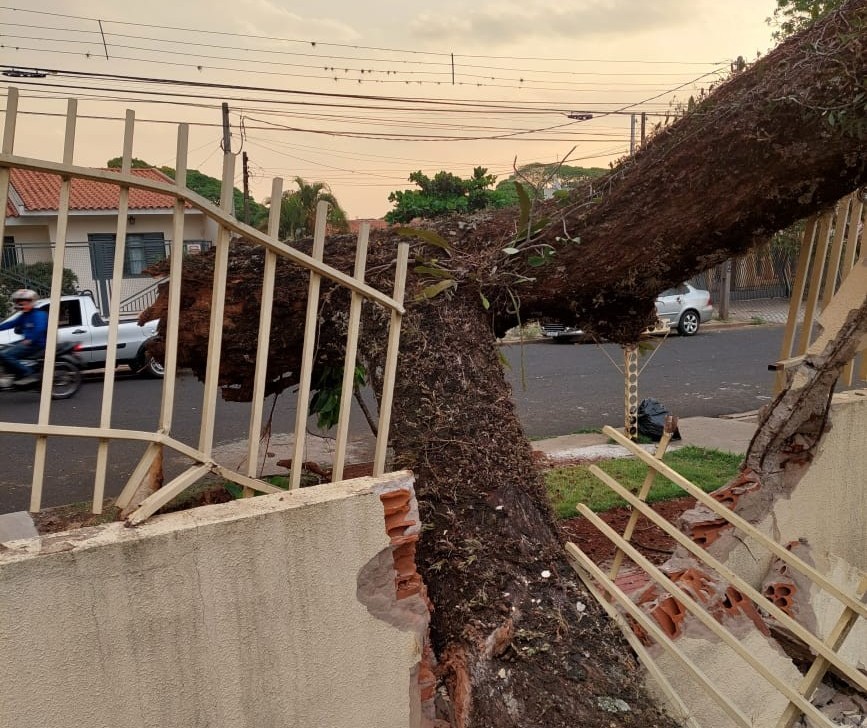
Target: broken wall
pixel 281 610
pixel 825 522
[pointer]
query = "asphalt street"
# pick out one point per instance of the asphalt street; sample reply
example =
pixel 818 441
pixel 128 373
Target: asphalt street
pixel 564 388
pixel 558 389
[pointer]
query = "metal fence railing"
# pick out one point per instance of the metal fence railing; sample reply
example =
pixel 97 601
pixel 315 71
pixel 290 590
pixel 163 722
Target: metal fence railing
pixel 88 266
pixel 850 606
pixel 200 457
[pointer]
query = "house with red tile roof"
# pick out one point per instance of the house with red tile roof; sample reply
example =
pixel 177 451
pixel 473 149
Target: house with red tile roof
pixel 32 210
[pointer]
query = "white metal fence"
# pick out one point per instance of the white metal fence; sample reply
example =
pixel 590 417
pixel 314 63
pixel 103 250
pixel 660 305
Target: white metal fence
pixel 201 455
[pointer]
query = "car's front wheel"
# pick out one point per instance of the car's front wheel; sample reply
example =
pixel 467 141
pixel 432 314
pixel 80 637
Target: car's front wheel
pixel 147 366
pixel 689 323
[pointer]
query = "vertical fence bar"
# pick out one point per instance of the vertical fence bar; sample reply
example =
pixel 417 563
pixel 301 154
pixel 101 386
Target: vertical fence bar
pixel 7 147
pixel 303 399
pixel 218 304
pixel 351 354
pixel 390 373
pixel 862 370
pixel 176 268
pixel 53 310
pixel 176 253
pixel 855 213
pixel 796 298
pixel 821 250
pixel 833 266
pixel 265 314
pixel 113 315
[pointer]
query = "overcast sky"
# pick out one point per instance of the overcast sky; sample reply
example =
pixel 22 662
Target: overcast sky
pixel 399 86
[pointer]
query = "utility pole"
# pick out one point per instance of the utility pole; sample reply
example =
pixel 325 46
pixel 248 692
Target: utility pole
pixel 643 126
pixel 246 188
pixel 227 132
pixel 631 133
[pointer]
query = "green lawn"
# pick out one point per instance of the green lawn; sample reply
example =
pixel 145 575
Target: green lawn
pixel 567 486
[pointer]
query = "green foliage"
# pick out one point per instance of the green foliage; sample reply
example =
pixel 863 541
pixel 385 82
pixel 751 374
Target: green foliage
pixel 792 16
pixel 325 402
pixel 788 240
pixel 206 186
pixel 298 210
pixel 568 486
pixel 443 194
pixel 32 275
pixel 531 179
pixel 209 188
pixel 135 163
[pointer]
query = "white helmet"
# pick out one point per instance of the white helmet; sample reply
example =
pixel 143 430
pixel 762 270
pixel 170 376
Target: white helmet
pixel 23 294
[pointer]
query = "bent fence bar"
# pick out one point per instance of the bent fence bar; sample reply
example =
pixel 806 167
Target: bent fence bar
pixel 161 438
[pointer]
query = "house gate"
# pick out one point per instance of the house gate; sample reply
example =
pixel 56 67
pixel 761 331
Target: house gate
pixel 201 455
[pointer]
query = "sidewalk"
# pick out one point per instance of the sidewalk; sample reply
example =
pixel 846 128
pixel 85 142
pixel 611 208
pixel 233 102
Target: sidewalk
pixel 756 311
pixel 730 434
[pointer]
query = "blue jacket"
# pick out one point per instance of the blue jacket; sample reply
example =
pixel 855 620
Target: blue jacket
pixel 32 325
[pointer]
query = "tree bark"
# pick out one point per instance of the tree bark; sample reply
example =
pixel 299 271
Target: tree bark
pixel 517 647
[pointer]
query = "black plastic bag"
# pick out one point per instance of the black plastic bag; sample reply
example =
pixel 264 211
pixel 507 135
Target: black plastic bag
pixel 651 419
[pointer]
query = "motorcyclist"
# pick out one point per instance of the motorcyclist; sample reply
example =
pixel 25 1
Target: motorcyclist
pixel 32 324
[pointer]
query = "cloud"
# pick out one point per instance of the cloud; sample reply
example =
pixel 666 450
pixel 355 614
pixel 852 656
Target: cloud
pixel 266 17
pixel 507 22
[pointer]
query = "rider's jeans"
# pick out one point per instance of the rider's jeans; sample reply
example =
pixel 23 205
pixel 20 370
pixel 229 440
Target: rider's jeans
pixel 11 357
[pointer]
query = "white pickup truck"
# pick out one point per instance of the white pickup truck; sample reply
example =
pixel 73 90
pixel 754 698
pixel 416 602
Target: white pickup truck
pixel 80 322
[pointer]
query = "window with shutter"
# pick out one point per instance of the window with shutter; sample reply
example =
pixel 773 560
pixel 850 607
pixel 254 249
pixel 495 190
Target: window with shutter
pixel 142 250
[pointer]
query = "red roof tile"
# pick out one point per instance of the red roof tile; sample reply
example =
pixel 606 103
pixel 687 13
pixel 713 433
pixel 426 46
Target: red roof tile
pixel 375 224
pixel 40 192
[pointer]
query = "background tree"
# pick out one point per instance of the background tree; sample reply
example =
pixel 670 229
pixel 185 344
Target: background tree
pixel 135 163
pixel 32 275
pixel 298 210
pixel 443 194
pixel 792 16
pixel 206 186
pixel 535 177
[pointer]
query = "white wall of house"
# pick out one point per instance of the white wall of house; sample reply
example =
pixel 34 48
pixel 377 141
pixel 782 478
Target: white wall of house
pixel 35 233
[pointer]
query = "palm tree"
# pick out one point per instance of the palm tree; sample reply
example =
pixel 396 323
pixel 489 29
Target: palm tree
pixel 298 210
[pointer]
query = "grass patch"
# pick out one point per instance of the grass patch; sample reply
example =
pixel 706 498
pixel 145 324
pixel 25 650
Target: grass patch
pixel 568 486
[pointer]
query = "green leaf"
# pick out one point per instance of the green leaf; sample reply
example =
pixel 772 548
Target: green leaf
pixel 537 260
pixel 524 202
pixel 435 289
pixel 429 236
pixel 486 304
pixel 511 251
pixel 426 270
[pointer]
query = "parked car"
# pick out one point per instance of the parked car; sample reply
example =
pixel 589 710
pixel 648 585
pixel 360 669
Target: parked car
pixel 682 307
pixel 685 308
pixel 81 323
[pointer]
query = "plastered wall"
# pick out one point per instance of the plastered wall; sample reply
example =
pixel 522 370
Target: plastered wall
pixel 280 610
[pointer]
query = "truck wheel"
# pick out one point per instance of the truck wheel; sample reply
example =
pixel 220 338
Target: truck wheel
pixel 150 367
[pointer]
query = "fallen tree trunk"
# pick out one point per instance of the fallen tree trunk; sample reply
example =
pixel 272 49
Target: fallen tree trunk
pixel 518 641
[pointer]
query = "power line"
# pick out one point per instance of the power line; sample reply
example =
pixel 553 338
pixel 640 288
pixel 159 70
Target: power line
pixel 411 103
pixel 314 43
pixel 270 51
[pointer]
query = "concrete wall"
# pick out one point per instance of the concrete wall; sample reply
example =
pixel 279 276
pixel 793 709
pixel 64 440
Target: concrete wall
pixel 280 610
pixel 822 522
pixel 826 513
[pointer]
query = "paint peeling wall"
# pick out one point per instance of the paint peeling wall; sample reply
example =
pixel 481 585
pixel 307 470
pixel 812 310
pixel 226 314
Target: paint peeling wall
pixel 281 610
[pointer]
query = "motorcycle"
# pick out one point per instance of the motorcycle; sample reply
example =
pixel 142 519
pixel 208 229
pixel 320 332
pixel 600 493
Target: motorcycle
pixel 68 366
